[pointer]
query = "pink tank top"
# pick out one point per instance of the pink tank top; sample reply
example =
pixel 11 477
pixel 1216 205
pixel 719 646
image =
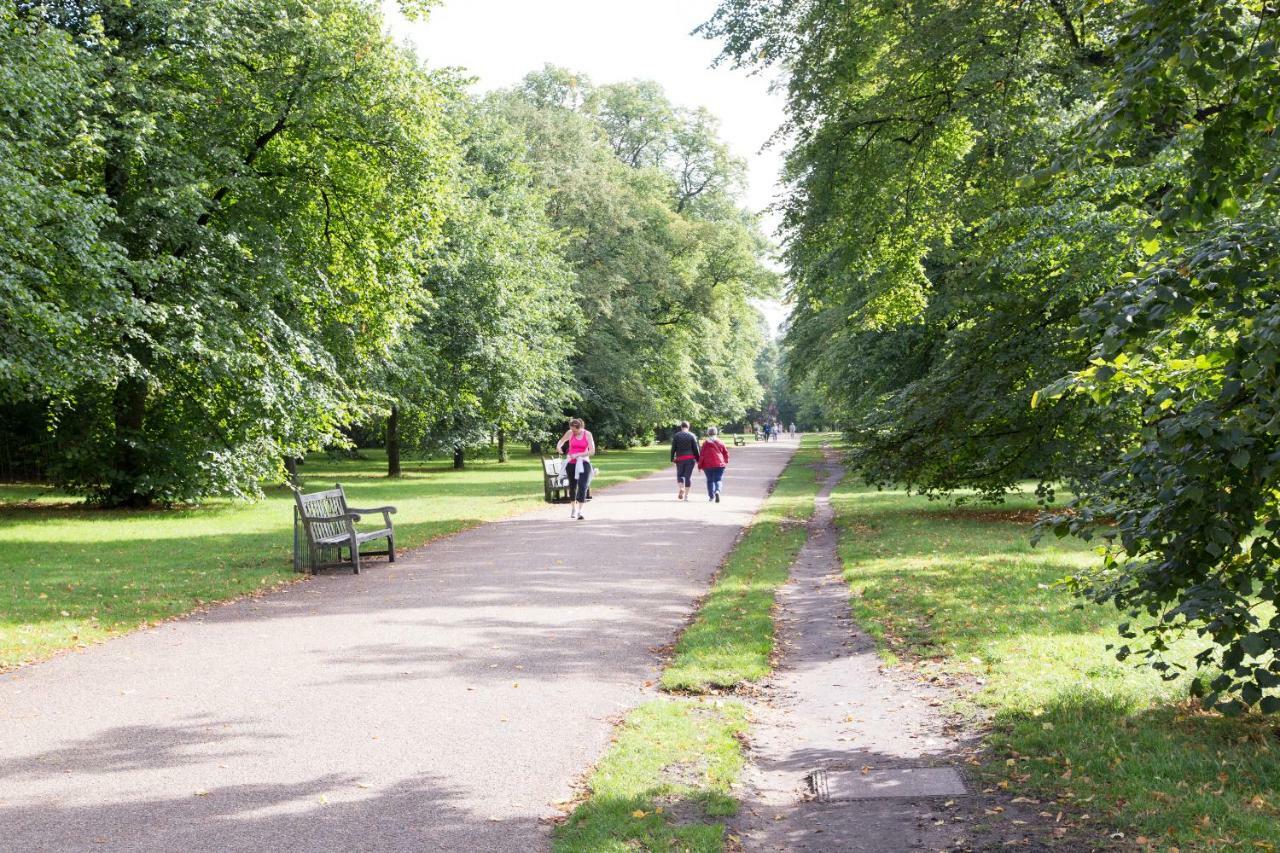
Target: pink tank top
pixel 578 445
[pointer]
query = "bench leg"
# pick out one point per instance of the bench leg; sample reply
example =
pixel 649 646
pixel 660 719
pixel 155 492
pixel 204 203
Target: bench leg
pixel 355 557
pixel 391 549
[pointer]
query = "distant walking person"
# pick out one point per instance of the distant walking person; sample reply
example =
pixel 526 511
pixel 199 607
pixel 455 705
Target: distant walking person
pixel 684 453
pixel 580 446
pixel 767 429
pixel 713 459
pixel 793 429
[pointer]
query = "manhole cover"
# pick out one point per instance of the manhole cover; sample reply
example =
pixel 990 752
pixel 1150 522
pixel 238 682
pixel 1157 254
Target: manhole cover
pixel 827 785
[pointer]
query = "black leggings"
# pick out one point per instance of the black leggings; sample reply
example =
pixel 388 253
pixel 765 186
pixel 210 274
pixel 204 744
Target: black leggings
pixel 578 483
pixel 684 471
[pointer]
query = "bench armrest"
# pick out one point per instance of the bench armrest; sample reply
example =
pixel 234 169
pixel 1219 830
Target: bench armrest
pixel 372 510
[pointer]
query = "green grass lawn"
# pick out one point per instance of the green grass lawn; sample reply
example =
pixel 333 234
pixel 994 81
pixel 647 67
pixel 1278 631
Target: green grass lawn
pixel 1114 747
pixel 669 771
pixel 70 575
pixel 731 639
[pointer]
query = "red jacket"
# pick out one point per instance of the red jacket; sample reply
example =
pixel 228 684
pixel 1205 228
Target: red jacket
pixel 714 454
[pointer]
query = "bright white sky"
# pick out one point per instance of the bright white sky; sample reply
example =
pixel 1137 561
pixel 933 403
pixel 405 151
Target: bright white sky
pixel 499 41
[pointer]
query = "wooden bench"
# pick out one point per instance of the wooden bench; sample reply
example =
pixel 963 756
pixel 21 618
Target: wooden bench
pixel 739 440
pixel 327 522
pixel 555 482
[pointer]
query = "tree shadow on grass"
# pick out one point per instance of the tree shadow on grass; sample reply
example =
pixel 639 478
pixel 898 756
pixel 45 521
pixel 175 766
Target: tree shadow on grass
pixel 1159 769
pixel 955 575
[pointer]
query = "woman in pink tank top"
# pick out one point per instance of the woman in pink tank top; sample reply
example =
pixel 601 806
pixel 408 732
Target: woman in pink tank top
pixel 581 447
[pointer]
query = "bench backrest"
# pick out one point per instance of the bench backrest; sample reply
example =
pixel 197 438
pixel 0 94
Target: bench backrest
pixel 323 505
pixel 552 467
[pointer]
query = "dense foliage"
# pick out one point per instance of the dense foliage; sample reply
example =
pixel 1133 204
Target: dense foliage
pixel 665 260
pixel 1039 240
pixel 252 187
pixel 237 231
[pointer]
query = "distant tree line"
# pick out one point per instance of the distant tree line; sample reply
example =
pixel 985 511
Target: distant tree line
pixel 1040 240
pixel 235 232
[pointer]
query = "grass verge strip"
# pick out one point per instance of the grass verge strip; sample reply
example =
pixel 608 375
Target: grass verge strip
pixel 669 771
pixel 959 593
pixel 731 639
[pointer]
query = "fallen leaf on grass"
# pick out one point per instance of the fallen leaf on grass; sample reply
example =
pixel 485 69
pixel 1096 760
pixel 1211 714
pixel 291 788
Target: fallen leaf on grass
pixel 639 813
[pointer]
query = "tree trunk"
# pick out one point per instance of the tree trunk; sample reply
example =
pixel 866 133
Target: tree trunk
pixel 502 445
pixel 130 407
pixel 291 468
pixel 459 458
pixel 535 447
pixel 393 442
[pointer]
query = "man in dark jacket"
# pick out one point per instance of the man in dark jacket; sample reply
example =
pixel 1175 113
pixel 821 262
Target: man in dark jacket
pixel 684 453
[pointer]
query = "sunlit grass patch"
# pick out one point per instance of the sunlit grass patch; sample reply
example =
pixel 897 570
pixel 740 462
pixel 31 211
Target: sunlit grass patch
pixel 964 592
pixel 71 575
pixel 663 782
pixel 731 639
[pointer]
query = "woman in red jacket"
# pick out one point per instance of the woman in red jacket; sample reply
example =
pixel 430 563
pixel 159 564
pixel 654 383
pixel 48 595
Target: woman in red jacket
pixel 713 459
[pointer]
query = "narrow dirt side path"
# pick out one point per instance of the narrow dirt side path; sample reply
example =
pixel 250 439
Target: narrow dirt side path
pixel 845 755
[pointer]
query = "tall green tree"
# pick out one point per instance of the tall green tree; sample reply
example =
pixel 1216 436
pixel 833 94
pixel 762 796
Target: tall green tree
pixel 1038 240
pixel 271 172
pixel 59 285
pixel 664 257
pixel 491 354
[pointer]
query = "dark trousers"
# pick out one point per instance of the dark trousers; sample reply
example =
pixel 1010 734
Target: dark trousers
pixel 684 471
pixel 578 482
pixel 714 476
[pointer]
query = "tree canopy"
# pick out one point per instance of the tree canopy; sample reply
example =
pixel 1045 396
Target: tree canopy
pixel 1037 240
pixel 664 258
pixel 236 232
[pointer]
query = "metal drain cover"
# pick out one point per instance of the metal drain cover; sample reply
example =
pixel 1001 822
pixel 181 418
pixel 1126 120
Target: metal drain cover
pixel 830 785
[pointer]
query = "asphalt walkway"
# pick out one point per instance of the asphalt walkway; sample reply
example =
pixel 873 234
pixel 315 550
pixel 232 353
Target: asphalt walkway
pixel 446 702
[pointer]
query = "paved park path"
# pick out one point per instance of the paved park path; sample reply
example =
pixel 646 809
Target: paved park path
pixel 446 702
